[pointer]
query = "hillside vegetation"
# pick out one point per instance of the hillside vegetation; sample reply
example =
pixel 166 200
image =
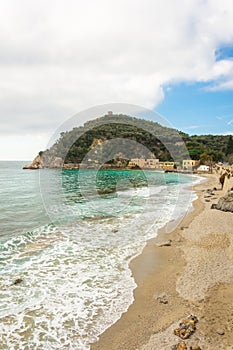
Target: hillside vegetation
pixel 165 143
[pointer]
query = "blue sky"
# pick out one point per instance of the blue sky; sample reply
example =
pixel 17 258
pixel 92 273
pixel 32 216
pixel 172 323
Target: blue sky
pixel 224 52
pixel 195 109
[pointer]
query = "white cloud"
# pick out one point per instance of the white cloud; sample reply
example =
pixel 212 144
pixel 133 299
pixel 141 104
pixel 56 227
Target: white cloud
pixel 227 84
pixel 57 57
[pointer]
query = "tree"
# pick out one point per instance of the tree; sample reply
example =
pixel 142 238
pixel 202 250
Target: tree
pixel 206 158
pixel 229 149
pixel 211 156
pixel 195 153
pixel 230 159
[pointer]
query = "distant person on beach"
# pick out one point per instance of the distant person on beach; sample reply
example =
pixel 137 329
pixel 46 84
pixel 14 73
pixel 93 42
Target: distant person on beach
pixel 222 179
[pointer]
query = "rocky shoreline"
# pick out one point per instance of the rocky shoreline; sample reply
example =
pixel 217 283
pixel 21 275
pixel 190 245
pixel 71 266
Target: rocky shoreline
pixel 41 162
pixel 193 274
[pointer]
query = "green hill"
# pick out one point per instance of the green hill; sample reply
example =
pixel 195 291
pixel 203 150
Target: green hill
pixel 165 143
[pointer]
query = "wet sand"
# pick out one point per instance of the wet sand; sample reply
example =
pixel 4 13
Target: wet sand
pixel 192 276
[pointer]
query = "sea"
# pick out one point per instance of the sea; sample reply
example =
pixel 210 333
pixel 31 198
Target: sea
pixel 66 241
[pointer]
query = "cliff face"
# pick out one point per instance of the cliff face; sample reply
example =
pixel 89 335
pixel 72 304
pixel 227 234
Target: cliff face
pixel 42 162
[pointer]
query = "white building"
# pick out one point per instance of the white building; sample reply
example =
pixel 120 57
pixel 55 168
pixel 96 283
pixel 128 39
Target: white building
pixel 203 168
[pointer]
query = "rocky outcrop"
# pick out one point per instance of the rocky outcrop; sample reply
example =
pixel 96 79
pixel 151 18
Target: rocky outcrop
pixel 42 161
pixel 36 164
pixel 225 203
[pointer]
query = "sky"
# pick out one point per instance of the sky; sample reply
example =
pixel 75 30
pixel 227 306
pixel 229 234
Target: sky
pixel 59 57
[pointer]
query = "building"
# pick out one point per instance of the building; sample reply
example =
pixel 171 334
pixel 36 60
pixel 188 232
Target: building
pixel 152 163
pixel 140 162
pixel 189 164
pixel 203 169
pixel 167 165
pixel 149 163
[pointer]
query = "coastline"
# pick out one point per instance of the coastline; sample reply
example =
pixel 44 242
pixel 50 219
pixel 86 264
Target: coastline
pixel 191 275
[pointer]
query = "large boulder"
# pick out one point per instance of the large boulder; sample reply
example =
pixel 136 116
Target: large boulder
pixel 225 203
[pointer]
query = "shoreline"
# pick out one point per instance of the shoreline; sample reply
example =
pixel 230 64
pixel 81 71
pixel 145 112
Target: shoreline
pixel 168 274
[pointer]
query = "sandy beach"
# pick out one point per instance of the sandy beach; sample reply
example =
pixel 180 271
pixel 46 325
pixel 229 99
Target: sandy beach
pixel 194 275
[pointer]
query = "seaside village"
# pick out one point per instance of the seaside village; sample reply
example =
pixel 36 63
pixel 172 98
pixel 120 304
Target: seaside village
pixel 186 165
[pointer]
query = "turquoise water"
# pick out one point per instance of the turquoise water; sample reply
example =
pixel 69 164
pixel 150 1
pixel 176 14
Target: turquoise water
pixel 70 235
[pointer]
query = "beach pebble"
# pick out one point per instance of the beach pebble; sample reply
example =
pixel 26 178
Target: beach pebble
pixel 179 346
pixel 162 299
pixel 115 230
pixel 165 244
pixel 17 281
pixel 220 331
